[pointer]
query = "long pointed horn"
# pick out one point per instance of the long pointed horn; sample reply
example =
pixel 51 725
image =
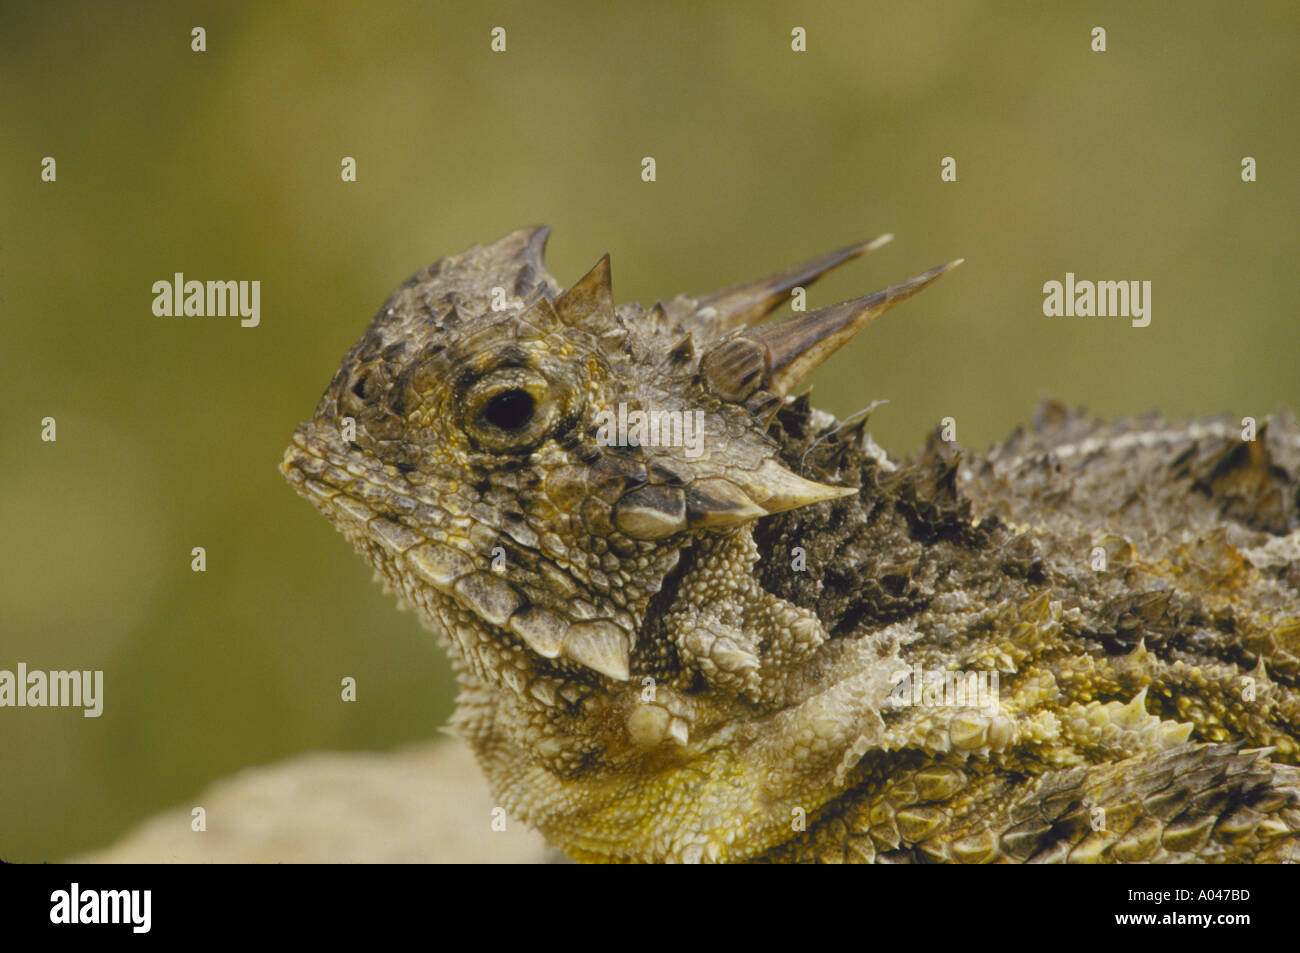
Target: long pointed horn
pixel 780 355
pixel 749 301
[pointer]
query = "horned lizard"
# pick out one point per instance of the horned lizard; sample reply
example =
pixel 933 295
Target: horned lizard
pixel 775 642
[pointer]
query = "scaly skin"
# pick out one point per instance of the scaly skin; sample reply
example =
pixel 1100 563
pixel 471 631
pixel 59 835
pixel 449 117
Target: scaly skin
pixel 693 652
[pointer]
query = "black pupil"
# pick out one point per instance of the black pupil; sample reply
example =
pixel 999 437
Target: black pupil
pixel 510 409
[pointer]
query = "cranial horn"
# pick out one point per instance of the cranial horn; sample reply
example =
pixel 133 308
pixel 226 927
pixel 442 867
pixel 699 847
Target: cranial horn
pixel 797 345
pixel 590 302
pixel 749 301
pixel 779 356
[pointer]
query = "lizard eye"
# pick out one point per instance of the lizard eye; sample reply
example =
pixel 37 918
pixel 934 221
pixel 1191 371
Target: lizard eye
pixel 510 410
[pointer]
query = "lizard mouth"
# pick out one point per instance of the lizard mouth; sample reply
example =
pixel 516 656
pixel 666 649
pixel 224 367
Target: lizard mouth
pixel 359 499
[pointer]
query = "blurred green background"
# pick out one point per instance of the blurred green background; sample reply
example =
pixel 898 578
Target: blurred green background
pixel 225 165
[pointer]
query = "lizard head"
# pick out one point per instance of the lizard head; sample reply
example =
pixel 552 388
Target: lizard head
pixel 562 488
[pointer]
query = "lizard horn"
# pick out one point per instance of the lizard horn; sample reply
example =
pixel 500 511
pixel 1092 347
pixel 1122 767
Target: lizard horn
pixel 590 302
pixel 749 301
pixel 738 495
pixel 777 489
pixel 779 356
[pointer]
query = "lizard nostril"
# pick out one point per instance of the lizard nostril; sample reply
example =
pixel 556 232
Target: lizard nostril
pixel 510 409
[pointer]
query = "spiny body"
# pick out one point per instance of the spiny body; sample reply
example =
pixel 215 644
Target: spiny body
pixel 697 657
